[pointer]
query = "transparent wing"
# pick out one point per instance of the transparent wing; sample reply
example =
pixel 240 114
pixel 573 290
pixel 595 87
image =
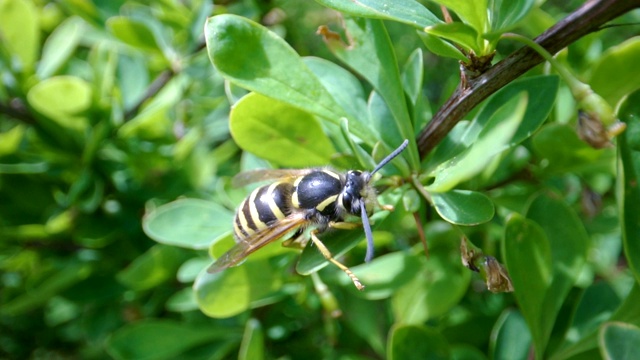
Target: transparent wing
pixel 253 176
pixel 249 245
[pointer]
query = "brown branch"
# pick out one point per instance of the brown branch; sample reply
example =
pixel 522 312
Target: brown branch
pixel 590 17
pixel 16 109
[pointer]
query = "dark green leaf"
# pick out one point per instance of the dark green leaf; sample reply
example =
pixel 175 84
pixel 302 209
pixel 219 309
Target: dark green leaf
pixel 629 152
pixel 408 342
pixel 619 341
pixel 506 13
pixel 152 268
pixel 510 338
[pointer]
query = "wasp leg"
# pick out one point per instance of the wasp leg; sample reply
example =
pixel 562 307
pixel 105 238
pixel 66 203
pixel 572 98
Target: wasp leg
pixel 327 254
pixel 297 241
pixel 343 225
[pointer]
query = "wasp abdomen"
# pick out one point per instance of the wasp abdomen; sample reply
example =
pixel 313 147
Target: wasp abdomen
pixel 266 205
pixel 317 190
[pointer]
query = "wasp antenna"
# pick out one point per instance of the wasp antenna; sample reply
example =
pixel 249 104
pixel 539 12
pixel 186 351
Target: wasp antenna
pixel 390 157
pixel 367 232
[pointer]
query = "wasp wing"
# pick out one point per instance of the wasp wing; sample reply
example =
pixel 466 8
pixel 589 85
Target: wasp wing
pixel 256 241
pixel 253 176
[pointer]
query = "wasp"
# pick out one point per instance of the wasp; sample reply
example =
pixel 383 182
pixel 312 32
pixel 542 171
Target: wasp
pixel 298 199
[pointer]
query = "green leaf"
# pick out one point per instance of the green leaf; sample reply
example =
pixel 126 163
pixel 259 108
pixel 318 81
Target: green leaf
pixel 409 12
pixel 236 289
pixel 385 274
pixel 252 346
pixel 442 48
pixel 463 207
pixel 409 342
pixel 279 132
pixel 162 339
pixel 20 31
pixel 628 180
pixel 373 57
pixel 132 32
pixel 619 341
pixel 64 100
pixel 58 281
pixel 188 223
pixel 251 56
pixel 614 75
pixel 473 13
pixel 159 264
pixel 413 75
pixel 510 338
pixel 434 290
pixel 506 13
pixel 343 86
pixel 493 139
pixel 527 255
pixel 544 254
pixel 60 46
pixel 459 33
pixel 541 92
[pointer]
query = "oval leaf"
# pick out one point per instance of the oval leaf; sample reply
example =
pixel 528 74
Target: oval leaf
pixel 463 207
pixel 188 223
pixel 278 132
pixel 409 342
pixel 409 12
pixel 619 341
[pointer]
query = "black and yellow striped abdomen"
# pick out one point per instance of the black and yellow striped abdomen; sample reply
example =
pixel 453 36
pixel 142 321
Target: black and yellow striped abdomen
pixel 263 207
pixel 314 193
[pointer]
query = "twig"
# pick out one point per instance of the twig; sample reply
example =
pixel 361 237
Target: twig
pixel 590 17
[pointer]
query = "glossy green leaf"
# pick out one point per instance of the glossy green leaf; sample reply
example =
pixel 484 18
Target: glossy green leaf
pixel 463 207
pixel 541 92
pixel 459 33
pixel 385 274
pixel 279 132
pixel 412 76
pixel 597 304
pixel 63 99
pixel 162 339
pixel 473 13
pixel 343 86
pixel 251 56
pixel 628 179
pixel 133 32
pixel 252 345
pixel 619 341
pixel 441 48
pixel 433 291
pixel 544 254
pixel 510 338
pixel 410 12
pixel 527 255
pixel 188 223
pixel 506 13
pixel 493 139
pixel 20 31
pixel 236 289
pixel 338 242
pixel 155 266
pixel 409 342
pixel 60 46
pixel 55 283
pixel 373 57
pixel 614 74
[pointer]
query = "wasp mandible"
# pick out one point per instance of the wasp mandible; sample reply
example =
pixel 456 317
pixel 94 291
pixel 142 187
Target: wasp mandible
pixel 300 199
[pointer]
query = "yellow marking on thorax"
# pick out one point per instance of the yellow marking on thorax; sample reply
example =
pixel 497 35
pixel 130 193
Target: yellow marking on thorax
pixel 326 202
pixel 295 202
pixel 331 173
